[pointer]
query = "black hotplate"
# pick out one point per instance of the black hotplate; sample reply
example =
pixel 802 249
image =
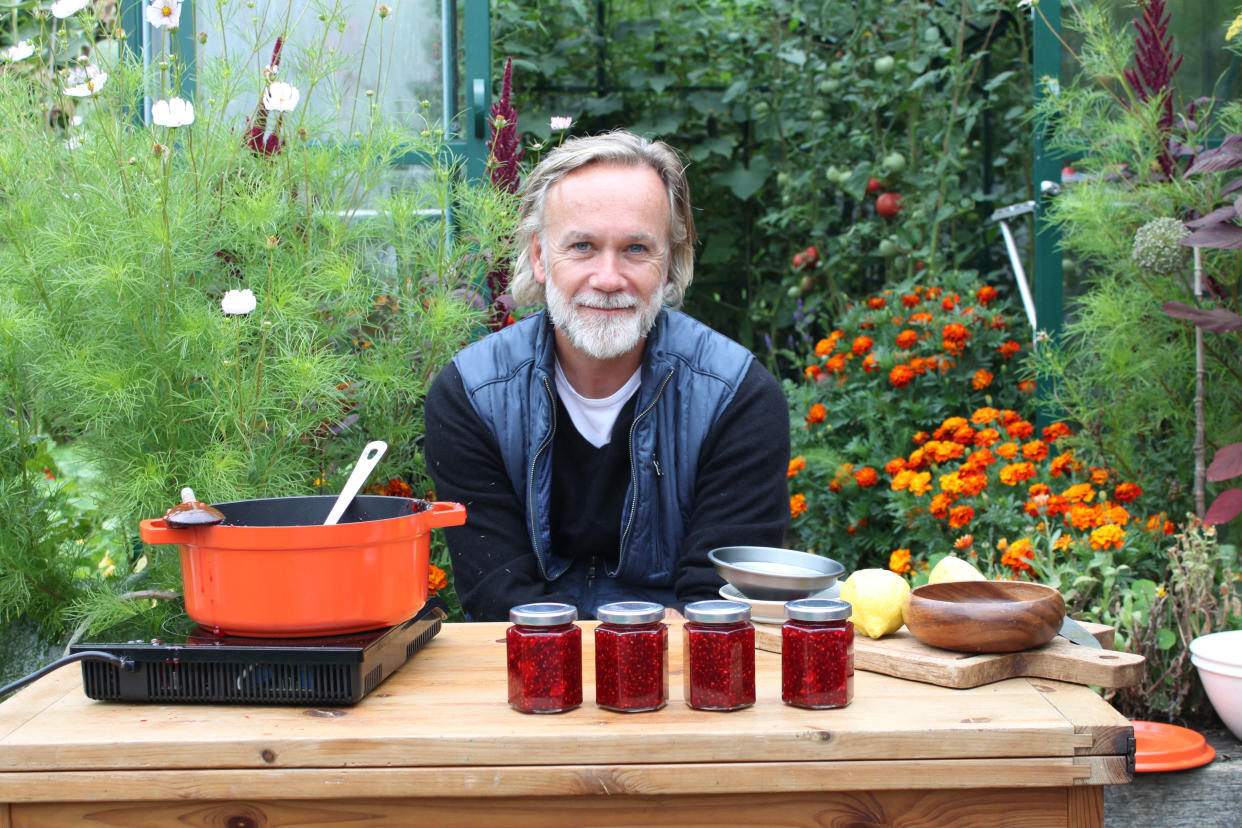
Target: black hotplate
pixel 191 664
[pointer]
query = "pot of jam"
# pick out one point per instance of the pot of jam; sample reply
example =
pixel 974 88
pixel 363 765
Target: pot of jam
pixel 817 654
pixel 631 657
pixel 545 658
pixel 719 655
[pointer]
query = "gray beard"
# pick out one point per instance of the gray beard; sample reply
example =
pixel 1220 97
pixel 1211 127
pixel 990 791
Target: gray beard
pixel 602 338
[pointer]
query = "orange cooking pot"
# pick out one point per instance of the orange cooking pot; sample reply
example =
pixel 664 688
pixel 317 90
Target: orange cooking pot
pixel 272 569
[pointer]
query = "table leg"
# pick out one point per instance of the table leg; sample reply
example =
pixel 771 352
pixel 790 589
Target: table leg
pixel 1086 806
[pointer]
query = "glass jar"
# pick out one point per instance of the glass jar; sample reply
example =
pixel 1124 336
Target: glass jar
pixel 719 655
pixel 817 654
pixel 545 658
pixel 631 657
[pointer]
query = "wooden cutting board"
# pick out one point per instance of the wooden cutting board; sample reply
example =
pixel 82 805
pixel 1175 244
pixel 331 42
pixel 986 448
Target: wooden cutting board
pixel 904 656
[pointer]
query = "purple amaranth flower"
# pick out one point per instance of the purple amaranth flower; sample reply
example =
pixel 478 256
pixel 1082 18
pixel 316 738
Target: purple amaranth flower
pixel 1154 67
pixel 503 157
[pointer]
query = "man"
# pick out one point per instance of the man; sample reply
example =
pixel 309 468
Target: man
pixel 603 446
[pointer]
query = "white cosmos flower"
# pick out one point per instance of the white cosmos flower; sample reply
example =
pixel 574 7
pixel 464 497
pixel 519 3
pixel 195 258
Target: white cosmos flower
pixel 172 113
pixel 281 96
pixel 65 8
pixel 85 81
pixel 164 14
pixel 20 50
pixel 238 302
pixel 561 122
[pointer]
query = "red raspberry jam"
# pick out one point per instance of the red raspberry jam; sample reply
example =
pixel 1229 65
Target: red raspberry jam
pixel 719 655
pixel 631 657
pixel 817 654
pixel 545 658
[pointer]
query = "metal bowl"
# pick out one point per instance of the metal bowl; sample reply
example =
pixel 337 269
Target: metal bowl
pixel 766 573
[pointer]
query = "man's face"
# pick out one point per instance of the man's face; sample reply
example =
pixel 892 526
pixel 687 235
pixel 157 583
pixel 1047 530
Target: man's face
pixel 603 256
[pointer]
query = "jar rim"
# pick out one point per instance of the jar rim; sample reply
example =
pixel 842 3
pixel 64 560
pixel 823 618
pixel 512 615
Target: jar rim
pixel 630 612
pixel 545 614
pixel 818 609
pixel 717 612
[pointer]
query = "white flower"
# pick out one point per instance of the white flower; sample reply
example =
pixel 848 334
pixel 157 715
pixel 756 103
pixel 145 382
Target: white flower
pixel 172 113
pixel 281 96
pixel 164 14
pixel 64 8
pixel 562 122
pixel 84 81
pixel 20 50
pixel 238 302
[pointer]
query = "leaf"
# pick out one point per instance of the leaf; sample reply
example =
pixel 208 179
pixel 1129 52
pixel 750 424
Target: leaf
pixel 1226 463
pixel 736 88
pixel 1227 156
pixel 1216 216
pixel 1220 236
pixel 1224 508
pixel 1165 638
pixel 1216 320
pixel 746 181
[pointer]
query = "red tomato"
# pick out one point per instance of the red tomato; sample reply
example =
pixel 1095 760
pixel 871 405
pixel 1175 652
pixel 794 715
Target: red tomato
pixel 811 254
pixel 888 204
pixel 874 185
pixel 799 260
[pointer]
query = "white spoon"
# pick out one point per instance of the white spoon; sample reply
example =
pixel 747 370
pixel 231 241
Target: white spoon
pixel 362 470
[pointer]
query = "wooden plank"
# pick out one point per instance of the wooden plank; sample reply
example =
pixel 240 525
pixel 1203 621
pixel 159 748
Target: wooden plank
pixel 901 654
pixel 1086 807
pixel 6 820
pixel 556 780
pixel 33 699
pixel 991 808
pixel 1116 739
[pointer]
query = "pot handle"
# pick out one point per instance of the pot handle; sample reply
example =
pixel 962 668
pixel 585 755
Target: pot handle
pixel 445 513
pixel 157 532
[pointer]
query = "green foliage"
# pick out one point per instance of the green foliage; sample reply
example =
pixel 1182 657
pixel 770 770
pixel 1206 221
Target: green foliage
pixel 785 110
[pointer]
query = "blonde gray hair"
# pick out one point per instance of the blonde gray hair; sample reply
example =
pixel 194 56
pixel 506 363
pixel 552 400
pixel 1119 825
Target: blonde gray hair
pixel 616 147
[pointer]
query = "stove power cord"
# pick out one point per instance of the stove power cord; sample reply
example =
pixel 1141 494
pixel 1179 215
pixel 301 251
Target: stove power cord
pixel 127 664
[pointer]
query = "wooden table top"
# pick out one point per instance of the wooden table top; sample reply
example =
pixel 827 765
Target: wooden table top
pixel 441 726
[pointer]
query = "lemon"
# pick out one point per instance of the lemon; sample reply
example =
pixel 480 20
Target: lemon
pixel 876 596
pixel 952 568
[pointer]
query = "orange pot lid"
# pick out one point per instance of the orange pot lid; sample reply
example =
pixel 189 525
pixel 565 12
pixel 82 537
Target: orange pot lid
pixel 1166 747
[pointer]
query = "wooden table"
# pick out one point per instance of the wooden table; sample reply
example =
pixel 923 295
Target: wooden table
pixel 437 745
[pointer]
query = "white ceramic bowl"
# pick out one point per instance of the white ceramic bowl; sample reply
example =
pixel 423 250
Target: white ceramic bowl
pixel 1218 657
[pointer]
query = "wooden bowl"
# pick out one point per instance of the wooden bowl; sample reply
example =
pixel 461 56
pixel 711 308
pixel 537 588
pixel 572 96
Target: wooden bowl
pixel 984 616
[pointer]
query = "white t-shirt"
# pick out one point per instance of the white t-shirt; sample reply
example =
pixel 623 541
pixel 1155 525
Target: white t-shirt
pixel 594 418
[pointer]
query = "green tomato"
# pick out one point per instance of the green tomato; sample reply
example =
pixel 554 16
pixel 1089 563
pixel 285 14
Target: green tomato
pixel 794 292
pixel 828 86
pixel 782 179
pixel 894 162
pixel 817 114
pixel 931 34
pixel 888 248
pixel 761 110
pixel 884 65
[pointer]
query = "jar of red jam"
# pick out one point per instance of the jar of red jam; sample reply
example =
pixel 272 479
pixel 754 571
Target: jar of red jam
pixel 817 654
pixel 631 657
pixel 719 655
pixel 545 658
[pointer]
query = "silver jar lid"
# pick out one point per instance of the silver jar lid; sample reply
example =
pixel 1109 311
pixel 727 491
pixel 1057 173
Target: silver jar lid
pixel 818 609
pixel 630 612
pixel 543 615
pixel 717 612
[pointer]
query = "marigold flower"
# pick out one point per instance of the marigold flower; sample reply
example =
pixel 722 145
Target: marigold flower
pixel 921 318
pixel 910 300
pixel 900 376
pixel 986 294
pixel 918 365
pixel 948 303
pixel 964 435
pixel 797 505
pixel 1099 476
pixel 978 460
pixel 1039 489
pixel 1015 473
pixel 835 364
pixel 1108 536
pixel 824 347
pixel 954 332
pixel 1079 493
pixel 899 561
pixel 814 373
pixel 1018 556
pixel 951 482
pixel 866 477
pixel 1127 492
pixel 1065 541
pixel 796 464
pixel 973 483
pixel 919 438
pixel 920 484
pixel 1062 463
pixel 897 320
pixel 1035 450
pixel 1027 386
pixel 901 480
pixel 917 459
pixel 933 293
pixel 964 542
pixel 1119 515
pixel 983 416
pixel 895 465
pixel 1054 432
pixel 939 506
pixel 817 414
pixel 876 302
pixel 862 345
pixel 907 339
pixel 835 486
pixel 869 364
pixel 867 324
pixel 987 437
pixel 1020 429
pixel 1007 451
pixel 959 516
pixel 437 579
pixel 944 450
pixel 1082 517
pixel 396 487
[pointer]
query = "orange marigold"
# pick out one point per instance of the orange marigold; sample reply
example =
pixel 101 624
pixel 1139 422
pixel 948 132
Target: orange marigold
pixel 862 345
pixel 948 303
pixel 1008 349
pixel 910 300
pixel 907 339
pixel 1035 450
pixel 954 332
pixel 1027 386
pixel 900 376
pixel 1081 516
pixel 987 437
pixel 1015 473
pixel 835 364
pixel 1018 556
pixel 437 579
pixel 797 505
pixel 899 561
pixel 920 484
pixel 1054 432
pixel 1007 451
pixel 895 465
pixel 817 414
pixel 979 460
pixel 1062 463
pixel 1040 489
pixel 981 379
pixel 824 347
pixel 796 464
pixel 919 438
pixel 1127 492
pixel 1108 536
pixel 959 516
pixel 985 294
pixel 973 483
pixel 951 482
pixel 964 435
pixel 983 416
pixel 876 302
pixel 964 542
pixel 1099 476
pixel 1020 429
pixel 1119 515
pixel 814 373
pixel 939 506
pixel 901 480
pixel 1079 493
pixel 869 364
pixel 921 318
pixel 866 477
pixel 398 488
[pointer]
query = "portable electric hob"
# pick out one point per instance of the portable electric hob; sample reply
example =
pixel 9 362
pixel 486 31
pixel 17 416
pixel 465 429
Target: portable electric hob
pixel 198 666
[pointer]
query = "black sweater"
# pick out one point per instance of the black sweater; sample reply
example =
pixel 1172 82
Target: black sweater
pixel 742 496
